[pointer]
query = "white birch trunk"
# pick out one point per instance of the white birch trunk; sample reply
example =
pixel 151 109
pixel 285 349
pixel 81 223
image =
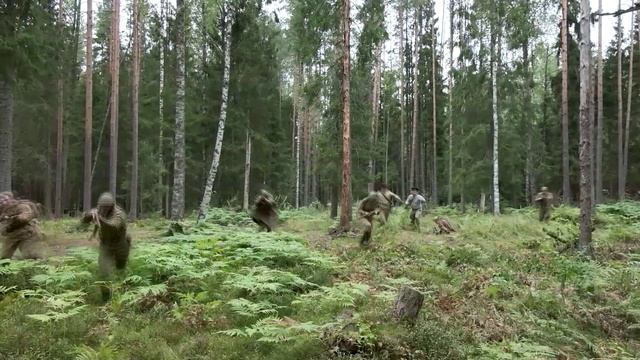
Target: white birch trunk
pixel 88 110
pixel 298 129
pixel 621 190
pixel 177 201
pixel 494 101
pixel 135 90
pixel 450 117
pixel 247 172
pixel 60 123
pixel 115 78
pixel 434 184
pixel 215 162
pixel 625 161
pixel 403 177
pixel 566 184
pixel 161 167
pixel 414 131
pixel 584 242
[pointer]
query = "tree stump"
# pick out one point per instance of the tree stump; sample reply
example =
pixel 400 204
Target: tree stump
pixel 408 304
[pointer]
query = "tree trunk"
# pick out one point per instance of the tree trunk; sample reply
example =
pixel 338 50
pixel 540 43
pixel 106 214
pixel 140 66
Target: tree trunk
pixel 88 110
pixel 584 242
pixel 600 125
pixel 495 49
pixel 450 115
pixel 403 176
pixel 434 154
pixel 528 80
pixel 59 120
pixel 135 90
pixel 625 161
pixel 6 130
pixel 161 168
pixel 566 185
pixel 621 190
pixel 345 195
pixel 414 130
pixel 375 112
pixel 115 76
pixel 215 162
pixel 408 304
pixel 177 200
pixel 247 172
pixel 298 125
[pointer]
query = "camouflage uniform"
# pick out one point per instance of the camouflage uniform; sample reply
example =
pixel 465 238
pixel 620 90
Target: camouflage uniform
pixel 543 200
pixel 367 209
pixel 264 212
pixel 19 228
pixel 111 223
pixel 385 200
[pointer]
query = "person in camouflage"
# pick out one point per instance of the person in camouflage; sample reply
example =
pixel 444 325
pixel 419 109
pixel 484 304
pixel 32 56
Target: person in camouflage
pixel 543 200
pixel 368 208
pixel 110 223
pixel 264 212
pixel 385 200
pixel 19 228
pixel 416 202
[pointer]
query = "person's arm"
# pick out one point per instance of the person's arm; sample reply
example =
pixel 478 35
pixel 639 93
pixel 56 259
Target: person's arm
pixel 409 199
pixel 395 197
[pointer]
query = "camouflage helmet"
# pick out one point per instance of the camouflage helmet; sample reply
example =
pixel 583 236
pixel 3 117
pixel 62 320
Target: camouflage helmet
pixel 106 200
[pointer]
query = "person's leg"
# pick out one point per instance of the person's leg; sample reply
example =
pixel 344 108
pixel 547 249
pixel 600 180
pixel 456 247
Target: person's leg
pixel 32 242
pixel 9 246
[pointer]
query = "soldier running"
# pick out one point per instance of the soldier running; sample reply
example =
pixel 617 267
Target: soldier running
pixel 19 228
pixel 543 200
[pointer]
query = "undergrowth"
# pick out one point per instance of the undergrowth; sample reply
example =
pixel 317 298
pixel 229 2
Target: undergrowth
pixel 500 288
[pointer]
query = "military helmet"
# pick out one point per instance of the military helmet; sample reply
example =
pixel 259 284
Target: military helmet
pixel 544 188
pixel 106 200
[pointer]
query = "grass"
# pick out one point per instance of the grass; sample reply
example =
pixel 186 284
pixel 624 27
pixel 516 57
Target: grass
pixel 500 288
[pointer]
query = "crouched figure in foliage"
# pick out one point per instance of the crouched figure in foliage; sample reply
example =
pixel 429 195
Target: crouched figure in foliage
pixel 543 200
pixel 385 200
pixel 19 228
pixel 264 212
pixel 368 208
pixel 110 222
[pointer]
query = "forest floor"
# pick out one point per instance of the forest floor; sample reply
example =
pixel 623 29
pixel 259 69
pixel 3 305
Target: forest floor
pixel 499 288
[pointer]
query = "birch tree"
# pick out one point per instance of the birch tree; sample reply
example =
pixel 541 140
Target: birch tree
pixel 345 194
pixel 450 112
pixel 566 184
pixel 88 110
pixel 414 126
pixel 625 160
pixel 247 172
pixel 600 125
pixel 161 167
pixel 495 58
pixel 59 118
pixel 434 184
pixel 215 161
pixel 621 190
pixel 135 89
pixel 177 200
pixel 115 78
pixel 584 242
pixel 403 177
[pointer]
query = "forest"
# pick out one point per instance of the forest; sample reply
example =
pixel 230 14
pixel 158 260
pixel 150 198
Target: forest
pixel 185 111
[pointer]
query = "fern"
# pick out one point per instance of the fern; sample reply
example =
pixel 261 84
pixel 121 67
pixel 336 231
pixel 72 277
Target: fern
pixel 276 330
pixel 248 308
pixel 342 295
pixel 261 279
pixel 138 294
